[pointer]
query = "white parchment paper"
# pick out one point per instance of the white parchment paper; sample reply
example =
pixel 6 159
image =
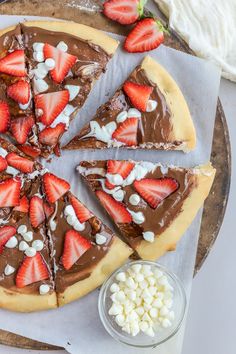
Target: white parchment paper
pixel 77 326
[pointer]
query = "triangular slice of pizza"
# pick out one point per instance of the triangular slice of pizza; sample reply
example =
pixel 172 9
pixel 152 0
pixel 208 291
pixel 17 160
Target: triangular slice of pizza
pixel 26 268
pixel 85 251
pixel 152 205
pixel 147 112
pixel 64 60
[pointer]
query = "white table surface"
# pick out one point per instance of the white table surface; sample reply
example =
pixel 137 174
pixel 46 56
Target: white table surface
pixel 212 314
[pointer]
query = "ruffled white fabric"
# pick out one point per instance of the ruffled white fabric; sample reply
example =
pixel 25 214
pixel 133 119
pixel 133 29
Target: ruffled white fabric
pixel 209 27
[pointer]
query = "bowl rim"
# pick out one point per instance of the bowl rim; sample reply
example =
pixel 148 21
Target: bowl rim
pixel 106 322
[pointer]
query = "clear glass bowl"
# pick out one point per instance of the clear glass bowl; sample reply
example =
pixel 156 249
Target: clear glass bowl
pixel 142 340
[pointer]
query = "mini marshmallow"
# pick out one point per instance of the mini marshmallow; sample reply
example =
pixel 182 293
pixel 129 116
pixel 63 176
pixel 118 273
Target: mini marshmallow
pixel 139 277
pixel 73 91
pixel 9 270
pixel 30 252
pixel 69 210
pixel 157 303
pixel 23 246
pixel 134 199
pixel 140 311
pixel 114 288
pixel 38 245
pixel 133 113
pixel 164 311
pixel 28 236
pixel 115 309
pixel 153 312
pixel 22 229
pixel 38 47
pixel 41 71
pixel 115 179
pixel 151 106
pixel 12 242
pixel 78 226
pixel 149 236
pixel 150 332
pixel 120 296
pixel 44 289
pixel 62 46
pixel 38 56
pixel 121 117
pixel 40 85
pixel 120 320
pixel 100 239
pixel 50 63
pixel 166 323
pixel 119 195
pixel 131 283
pixel 136 268
pixel 138 217
pixel 121 276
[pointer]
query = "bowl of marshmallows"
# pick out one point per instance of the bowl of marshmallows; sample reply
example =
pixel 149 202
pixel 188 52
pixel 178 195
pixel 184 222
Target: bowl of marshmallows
pixel 142 304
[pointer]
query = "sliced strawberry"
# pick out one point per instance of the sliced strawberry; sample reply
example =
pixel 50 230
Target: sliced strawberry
pixel 21 127
pixel 146 35
pixel 116 209
pixel 127 132
pixel 123 168
pixel 153 191
pixel 3 164
pixel 4 116
pixel 13 63
pixel 19 92
pixel 75 246
pixel 50 136
pixel 20 163
pixel 6 232
pixel 57 150
pixel 138 94
pixel 51 104
pixel 63 62
pixel 55 187
pixel 29 150
pixel 124 11
pixel 82 213
pixel 48 209
pixel 32 270
pixel 37 215
pixel 10 192
pixel 24 205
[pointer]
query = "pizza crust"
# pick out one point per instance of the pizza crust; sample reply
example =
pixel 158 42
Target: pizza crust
pixel 108 44
pixel 8 29
pixel 16 301
pixel 183 128
pixel 117 255
pixel 168 239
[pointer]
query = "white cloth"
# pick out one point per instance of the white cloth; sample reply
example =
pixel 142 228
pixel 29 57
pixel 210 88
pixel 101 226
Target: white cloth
pixel 209 28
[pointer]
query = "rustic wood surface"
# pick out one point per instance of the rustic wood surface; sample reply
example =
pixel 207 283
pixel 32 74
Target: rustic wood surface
pixel 215 206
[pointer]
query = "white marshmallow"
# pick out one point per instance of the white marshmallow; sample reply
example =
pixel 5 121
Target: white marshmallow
pixel 12 242
pixel 78 226
pixel 38 47
pixel 50 64
pixel 23 246
pixel 115 179
pixel 139 277
pixel 38 56
pixel 38 245
pixel 121 117
pixel 28 236
pixel 119 195
pixel 115 309
pixel 62 46
pixel 153 312
pixel 114 288
pixel 150 332
pixel 69 210
pixel 136 268
pixel 166 323
pixel 121 276
pixel 120 320
pixel 120 296
pixel 131 283
pixel 44 289
pixel 40 85
pixel 138 217
pixel 134 199
pixel 133 113
pixel 100 239
pixel 22 229
pixel 73 91
pixel 30 252
pixel 164 311
pixel 9 270
pixel 149 236
pixel 151 106
pixel 40 72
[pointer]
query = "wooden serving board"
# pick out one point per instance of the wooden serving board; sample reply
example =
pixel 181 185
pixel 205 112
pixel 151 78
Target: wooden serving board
pixel 89 12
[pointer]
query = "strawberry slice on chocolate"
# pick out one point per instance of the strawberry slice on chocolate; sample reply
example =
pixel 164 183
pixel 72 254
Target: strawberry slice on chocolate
pixel 4 116
pixel 21 128
pixel 32 270
pixel 10 192
pixel 154 191
pixel 50 136
pixel 127 132
pixel 3 164
pixel 23 207
pixel 6 232
pixel 138 94
pixel 125 12
pixel 20 163
pixel 114 208
pixel 48 209
pixel 54 187
pixel 29 150
pixel 13 63
pixel 19 92
pixel 63 62
pixel 123 168
pixel 75 246
pixel 82 213
pixel 50 105
pixel 37 215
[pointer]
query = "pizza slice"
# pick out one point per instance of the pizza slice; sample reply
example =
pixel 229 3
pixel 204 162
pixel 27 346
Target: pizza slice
pixel 152 205
pixel 64 60
pixel 147 112
pixel 85 251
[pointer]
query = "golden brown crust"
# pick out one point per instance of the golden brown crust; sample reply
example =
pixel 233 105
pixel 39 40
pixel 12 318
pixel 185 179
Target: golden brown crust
pixel 117 255
pixel 169 238
pixel 108 44
pixel 8 29
pixel 20 302
pixel 183 128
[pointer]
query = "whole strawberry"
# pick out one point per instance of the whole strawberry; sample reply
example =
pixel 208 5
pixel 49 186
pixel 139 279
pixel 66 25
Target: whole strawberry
pixel 125 12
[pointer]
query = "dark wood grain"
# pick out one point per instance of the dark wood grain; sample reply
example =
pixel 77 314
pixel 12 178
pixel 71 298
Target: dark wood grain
pixel 215 205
